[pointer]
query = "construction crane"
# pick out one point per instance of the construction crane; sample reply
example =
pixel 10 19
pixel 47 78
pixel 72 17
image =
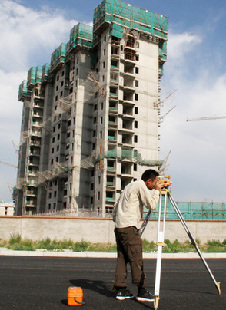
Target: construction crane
pixel 8 164
pixel 206 118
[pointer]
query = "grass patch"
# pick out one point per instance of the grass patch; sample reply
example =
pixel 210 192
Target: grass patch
pixel 17 243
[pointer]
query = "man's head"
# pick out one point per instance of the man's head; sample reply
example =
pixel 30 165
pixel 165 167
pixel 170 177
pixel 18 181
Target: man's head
pixel 150 177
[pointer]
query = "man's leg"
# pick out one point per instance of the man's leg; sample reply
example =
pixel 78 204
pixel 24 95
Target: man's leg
pixel 121 268
pixel 136 261
pixel 122 260
pixel 134 250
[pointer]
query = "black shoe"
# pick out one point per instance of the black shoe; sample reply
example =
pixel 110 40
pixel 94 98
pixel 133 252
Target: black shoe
pixel 123 293
pixel 145 295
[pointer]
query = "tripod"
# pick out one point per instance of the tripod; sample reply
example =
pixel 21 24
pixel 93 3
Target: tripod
pixel 160 242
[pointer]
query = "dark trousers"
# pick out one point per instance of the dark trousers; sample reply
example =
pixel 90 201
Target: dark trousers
pixel 129 248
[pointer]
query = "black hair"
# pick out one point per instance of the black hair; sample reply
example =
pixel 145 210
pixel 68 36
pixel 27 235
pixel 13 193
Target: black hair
pixel 149 174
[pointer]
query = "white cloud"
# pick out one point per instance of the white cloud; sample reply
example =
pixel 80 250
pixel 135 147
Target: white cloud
pixel 28 38
pixel 180 44
pixel 198 149
pixel 26 32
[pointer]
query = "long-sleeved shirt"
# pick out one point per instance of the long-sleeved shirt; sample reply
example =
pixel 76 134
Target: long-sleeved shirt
pixel 129 207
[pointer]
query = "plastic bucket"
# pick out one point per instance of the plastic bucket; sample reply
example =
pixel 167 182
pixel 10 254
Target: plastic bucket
pixel 75 296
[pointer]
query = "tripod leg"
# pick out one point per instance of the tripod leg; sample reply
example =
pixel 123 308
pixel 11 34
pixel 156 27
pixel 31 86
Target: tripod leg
pixel 177 210
pixel 160 243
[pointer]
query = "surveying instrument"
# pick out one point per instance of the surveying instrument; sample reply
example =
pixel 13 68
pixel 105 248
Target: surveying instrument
pixel 165 192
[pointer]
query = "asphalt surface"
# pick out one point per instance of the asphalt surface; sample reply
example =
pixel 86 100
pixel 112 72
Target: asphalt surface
pixel 28 283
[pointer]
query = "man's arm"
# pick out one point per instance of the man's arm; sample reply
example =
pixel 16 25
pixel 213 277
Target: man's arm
pixel 150 198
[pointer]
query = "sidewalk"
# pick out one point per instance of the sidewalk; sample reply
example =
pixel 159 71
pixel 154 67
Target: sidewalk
pixel 68 253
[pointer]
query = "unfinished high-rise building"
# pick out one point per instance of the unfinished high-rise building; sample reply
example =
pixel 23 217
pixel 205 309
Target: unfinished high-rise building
pixel 90 118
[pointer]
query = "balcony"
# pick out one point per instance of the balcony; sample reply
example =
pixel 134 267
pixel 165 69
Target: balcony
pixel 33 164
pixel 113 107
pixel 126 170
pixel 115 56
pixel 127 114
pixel 110 196
pixel 115 52
pixel 30 193
pixel 128 98
pixel 36 114
pixel 128 70
pixel 36 124
pixel 35 153
pixel 130 42
pixel 114 65
pixel 111 139
pixel 32 173
pixel 127 140
pixel 32 183
pixel 37 133
pixel 30 205
pixel 127 130
pixel 127 89
pixel 110 184
pixel 112 122
pixel 38 103
pixel 110 169
pixel 113 93
pixel 35 143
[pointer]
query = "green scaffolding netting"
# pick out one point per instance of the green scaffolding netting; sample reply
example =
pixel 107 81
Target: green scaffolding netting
pixel 123 15
pixel 23 91
pixel 81 35
pixel 58 56
pixel 38 74
pixel 192 210
pixel 45 72
pixel 131 154
pixel 130 16
pixel 31 76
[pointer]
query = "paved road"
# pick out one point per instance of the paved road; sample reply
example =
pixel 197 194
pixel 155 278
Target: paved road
pixel 28 283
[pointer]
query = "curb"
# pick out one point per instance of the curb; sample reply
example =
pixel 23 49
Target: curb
pixel 152 255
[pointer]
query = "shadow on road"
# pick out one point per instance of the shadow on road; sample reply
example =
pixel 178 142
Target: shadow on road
pixel 97 286
pixel 102 288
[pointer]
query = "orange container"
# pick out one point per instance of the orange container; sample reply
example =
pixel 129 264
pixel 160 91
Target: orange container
pixel 75 296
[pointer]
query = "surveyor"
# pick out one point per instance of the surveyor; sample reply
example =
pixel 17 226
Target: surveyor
pixel 127 215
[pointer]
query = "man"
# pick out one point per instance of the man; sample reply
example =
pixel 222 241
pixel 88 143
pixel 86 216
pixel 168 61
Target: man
pixel 127 215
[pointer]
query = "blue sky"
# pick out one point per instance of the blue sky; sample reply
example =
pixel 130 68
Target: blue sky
pixel 196 69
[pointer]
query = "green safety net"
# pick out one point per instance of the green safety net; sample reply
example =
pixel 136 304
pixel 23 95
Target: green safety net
pixel 23 91
pixel 31 76
pixel 81 35
pixel 45 72
pixel 116 31
pixel 58 56
pixel 123 15
pixel 133 17
pixel 38 74
pixel 131 154
pixel 192 210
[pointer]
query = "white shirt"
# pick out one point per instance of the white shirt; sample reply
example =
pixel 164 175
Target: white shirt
pixel 129 207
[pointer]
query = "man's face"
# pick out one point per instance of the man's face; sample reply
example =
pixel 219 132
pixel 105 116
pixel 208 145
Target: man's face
pixel 151 184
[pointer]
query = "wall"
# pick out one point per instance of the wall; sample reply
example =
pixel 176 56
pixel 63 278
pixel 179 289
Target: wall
pixel 102 230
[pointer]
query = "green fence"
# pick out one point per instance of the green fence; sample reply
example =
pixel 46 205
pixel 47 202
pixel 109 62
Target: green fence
pixel 193 210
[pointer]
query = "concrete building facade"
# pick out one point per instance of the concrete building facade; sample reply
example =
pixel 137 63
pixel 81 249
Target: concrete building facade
pixel 7 209
pixel 90 118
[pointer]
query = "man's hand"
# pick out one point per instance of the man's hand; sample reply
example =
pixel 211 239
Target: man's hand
pixel 159 186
